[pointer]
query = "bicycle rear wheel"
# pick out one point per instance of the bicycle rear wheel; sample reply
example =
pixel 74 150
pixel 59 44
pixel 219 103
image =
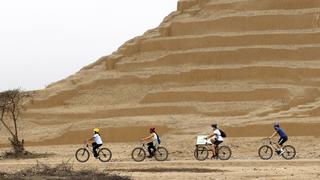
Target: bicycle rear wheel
pixel 289 152
pixel 138 154
pixel 224 152
pixel 201 153
pixel 265 152
pixel 161 154
pixel 104 155
pixel 82 155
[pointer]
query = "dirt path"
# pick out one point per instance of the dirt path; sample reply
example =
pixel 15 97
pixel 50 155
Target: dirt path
pixel 244 163
pixel 185 169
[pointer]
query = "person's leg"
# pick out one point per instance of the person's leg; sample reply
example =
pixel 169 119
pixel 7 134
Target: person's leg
pixel 217 146
pixel 283 140
pixel 279 142
pixel 217 143
pixel 154 148
pixel 94 148
pixel 213 147
pixel 150 146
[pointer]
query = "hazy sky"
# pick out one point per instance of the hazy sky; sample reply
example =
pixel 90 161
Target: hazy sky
pixel 43 41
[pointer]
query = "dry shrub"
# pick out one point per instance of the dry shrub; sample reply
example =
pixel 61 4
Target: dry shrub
pixel 63 171
pixel 25 155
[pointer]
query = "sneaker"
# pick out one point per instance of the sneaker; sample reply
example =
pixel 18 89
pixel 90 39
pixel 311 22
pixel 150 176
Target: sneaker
pixel 278 152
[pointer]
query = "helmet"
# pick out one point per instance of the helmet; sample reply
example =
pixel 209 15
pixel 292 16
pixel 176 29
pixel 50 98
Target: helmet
pixel 214 125
pixel 96 130
pixel 152 129
pixel 276 125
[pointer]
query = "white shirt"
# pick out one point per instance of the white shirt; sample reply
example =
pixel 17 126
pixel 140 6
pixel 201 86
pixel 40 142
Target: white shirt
pixel 97 139
pixel 217 134
pixel 155 138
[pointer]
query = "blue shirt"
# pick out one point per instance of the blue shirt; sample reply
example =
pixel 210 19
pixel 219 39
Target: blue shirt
pixel 281 132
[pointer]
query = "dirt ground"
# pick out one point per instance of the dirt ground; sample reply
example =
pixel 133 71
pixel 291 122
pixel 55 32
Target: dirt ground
pixel 238 63
pixel 181 164
pixel 179 138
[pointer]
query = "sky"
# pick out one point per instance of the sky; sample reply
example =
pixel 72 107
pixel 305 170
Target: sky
pixel 43 41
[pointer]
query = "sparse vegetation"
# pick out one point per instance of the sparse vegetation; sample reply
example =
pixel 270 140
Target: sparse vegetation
pixel 64 171
pixel 177 170
pixel 11 106
pixel 25 155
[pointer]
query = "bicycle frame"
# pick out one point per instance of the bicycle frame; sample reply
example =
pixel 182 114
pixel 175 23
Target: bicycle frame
pixel 272 144
pixel 208 147
pixel 89 148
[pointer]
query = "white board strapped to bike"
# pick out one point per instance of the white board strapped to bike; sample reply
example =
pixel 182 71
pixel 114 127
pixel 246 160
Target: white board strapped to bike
pixel 201 140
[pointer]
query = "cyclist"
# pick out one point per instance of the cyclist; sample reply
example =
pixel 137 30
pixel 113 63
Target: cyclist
pixel 283 137
pixel 97 141
pixel 153 142
pixel 215 139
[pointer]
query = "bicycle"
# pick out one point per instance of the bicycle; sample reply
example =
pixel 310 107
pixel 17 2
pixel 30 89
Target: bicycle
pixel 83 154
pixel 266 151
pixel 203 146
pixel 139 153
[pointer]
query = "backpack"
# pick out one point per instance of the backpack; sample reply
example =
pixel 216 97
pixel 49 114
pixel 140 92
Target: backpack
pixel 158 139
pixel 223 134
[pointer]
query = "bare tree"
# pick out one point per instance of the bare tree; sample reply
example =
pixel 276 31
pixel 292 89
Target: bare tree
pixel 11 106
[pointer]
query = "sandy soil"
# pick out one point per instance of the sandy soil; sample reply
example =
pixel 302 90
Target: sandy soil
pixel 243 64
pixel 244 163
pixel 257 59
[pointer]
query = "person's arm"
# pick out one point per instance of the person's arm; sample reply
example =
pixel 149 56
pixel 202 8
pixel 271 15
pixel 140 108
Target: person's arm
pixel 273 135
pixel 147 138
pixel 211 135
pixel 91 139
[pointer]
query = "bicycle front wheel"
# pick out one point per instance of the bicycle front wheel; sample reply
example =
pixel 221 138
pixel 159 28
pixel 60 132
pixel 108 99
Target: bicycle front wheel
pixel 224 152
pixel 104 155
pixel 138 154
pixel 82 155
pixel 289 152
pixel 201 153
pixel 161 154
pixel 265 152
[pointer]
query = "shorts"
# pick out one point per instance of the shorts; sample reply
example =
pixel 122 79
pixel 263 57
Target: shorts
pixel 217 142
pixel 282 140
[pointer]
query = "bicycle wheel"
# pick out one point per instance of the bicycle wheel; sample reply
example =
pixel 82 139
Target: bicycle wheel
pixel 289 152
pixel 161 154
pixel 82 155
pixel 201 153
pixel 224 153
pixel 104 154
pixel 138 154
pixel 265 152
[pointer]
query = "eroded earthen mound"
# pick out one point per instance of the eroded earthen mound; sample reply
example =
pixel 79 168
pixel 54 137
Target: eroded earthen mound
pixel 239 60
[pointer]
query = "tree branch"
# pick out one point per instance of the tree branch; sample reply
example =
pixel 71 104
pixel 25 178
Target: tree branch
pixel 4 124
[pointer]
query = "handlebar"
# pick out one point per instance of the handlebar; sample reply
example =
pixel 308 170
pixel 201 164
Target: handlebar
pixel 86 143
pixel 268 140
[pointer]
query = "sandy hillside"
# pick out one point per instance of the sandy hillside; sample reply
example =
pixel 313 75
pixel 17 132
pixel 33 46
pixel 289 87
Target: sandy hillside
pixel 240 63
pixel 235 62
